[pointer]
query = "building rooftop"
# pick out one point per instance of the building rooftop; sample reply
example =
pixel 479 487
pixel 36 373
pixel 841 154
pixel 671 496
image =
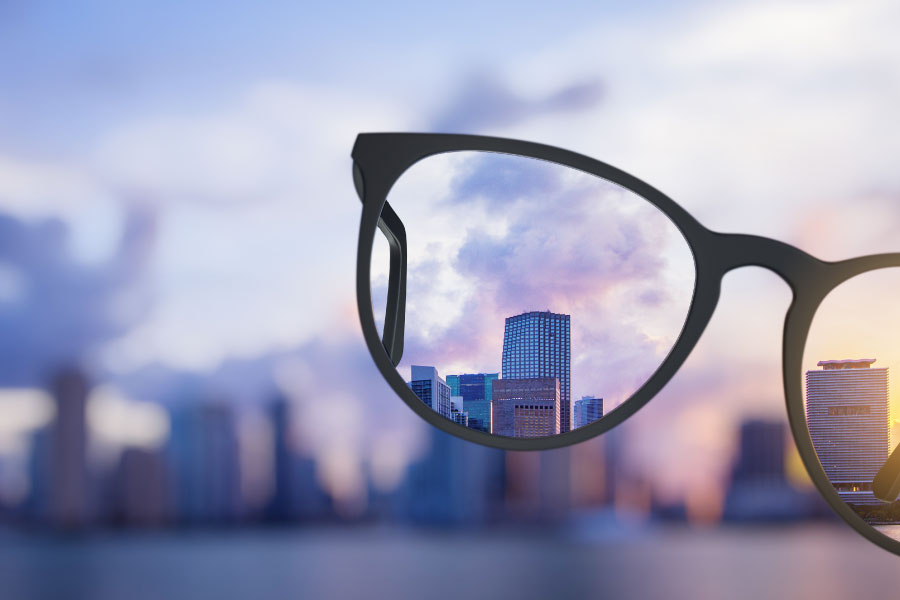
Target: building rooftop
pixel 858 363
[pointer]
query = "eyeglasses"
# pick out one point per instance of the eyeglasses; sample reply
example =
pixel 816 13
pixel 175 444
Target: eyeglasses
pixel 514 277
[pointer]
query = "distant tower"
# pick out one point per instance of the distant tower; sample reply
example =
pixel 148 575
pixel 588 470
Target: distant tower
pixel 848 415
pixel 203 447
pixel 142 487
pixel 68 484
pixel 281 504
pixel 761 455
pixel 587 410
pixel 538 344
pixel 431 389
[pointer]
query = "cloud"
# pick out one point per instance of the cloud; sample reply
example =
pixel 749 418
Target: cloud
pixel 569 243
pixel 61 311
pixel 485 102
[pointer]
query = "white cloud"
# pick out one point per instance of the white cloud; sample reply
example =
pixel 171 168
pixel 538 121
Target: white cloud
pixel 22 411
pixel 117 421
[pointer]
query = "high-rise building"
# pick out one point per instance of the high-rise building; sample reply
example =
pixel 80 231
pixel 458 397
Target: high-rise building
pixel 203 449
pixel 141 488
pixel 453 382
pixel 526 408
pixel 431 389
pixel 296 493
pixel 587 410
pixel 68 477
pixel 475 390
pixel 457 413
pixel 848 413
pixel 538 344
pixel 761 454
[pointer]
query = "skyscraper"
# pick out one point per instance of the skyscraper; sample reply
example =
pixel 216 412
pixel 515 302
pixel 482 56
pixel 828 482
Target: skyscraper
pixel 475 390
pixel 847 412
pixel 526 407
pixel 587 410
pixel 431 389
pixel 68 477
pixel 203 449
pixel 538 344
pixel 457 413
pixel 759 488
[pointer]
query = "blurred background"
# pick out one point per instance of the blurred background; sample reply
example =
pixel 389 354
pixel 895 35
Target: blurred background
pixel 186 404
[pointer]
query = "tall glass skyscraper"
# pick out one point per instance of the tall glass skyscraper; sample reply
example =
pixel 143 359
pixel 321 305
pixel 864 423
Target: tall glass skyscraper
pixel 538 344
pixel 431 389
pixel 475 390
pixel 847 412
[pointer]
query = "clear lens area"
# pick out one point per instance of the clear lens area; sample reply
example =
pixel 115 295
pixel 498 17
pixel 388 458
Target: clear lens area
pixel 539 298
pixel 852 350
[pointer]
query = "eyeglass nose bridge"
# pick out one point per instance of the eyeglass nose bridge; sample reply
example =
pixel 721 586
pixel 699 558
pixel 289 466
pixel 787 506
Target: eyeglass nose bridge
pixel 726 252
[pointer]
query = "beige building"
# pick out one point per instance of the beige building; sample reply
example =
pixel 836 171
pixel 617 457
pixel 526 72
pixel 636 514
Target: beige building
pixel 525 408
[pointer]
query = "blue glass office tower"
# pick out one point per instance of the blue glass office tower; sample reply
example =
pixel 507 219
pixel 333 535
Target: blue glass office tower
pixel 431 389
pixel 475 390
pixel 539 344
pixel 586 411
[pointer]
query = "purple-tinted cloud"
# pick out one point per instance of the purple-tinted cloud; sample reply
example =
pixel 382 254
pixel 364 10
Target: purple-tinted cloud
pixel 497 180
pixel 484 101
pixel 56 311
pixel 571 243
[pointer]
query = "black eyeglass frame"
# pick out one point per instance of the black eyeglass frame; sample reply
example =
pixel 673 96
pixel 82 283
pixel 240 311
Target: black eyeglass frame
pixel 379 159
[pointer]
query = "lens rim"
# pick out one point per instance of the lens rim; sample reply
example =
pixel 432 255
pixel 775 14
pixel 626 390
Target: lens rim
pixel 379 159
pixel 807 301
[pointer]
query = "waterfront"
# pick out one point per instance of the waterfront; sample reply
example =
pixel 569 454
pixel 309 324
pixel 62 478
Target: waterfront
pixel 892 530
pixel 824 561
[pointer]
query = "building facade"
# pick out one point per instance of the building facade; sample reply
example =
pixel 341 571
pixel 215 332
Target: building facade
pixel 848 414
pixel 586 411
pixel 457 412
pixel 431 389
pixel 475 389
pixel 538 345
pixel 526 408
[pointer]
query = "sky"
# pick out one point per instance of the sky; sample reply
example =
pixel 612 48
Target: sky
pixel 492 236
pixel 178 182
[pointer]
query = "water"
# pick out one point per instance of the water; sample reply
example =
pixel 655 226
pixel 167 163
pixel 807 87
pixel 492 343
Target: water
pixel 346 563
pixel 892 531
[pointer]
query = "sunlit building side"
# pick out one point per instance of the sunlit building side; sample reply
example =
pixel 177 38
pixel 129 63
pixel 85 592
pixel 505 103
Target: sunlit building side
pixel 848 413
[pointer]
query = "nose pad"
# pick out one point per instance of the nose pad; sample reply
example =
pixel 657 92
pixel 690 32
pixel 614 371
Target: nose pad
pixel 358 182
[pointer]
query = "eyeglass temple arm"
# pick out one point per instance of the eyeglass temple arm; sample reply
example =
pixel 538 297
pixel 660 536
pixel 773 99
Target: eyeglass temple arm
pixel 886 485
pixel 395 312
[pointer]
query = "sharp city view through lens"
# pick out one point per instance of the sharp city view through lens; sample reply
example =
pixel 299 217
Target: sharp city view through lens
pixel 851 405
pixel 539 298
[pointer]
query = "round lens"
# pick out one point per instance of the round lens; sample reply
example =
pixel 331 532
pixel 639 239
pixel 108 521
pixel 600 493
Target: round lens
pixel 539 298
pixel 852 350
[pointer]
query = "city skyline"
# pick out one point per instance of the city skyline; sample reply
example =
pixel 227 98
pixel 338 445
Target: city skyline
pixel 536 346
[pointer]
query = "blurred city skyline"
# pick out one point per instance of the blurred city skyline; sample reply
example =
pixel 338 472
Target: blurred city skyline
pixel 179 220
